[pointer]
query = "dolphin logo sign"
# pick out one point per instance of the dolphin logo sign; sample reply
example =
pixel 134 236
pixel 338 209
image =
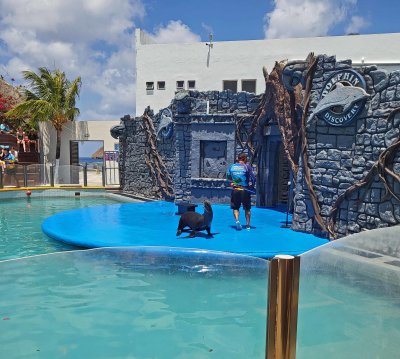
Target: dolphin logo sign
pixel 342 98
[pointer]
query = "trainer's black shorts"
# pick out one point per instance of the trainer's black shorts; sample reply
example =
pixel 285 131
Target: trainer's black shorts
pixel 240 197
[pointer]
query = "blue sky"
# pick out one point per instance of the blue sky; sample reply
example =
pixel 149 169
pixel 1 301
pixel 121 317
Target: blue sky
pixel 88 148
pixel 94 38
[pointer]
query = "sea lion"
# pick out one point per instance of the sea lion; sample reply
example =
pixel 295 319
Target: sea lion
pixel 196 221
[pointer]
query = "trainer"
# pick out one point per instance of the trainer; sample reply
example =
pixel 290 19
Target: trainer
pixel 243 181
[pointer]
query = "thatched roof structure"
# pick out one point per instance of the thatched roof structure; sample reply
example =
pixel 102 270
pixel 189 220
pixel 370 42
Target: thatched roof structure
pixel 99 154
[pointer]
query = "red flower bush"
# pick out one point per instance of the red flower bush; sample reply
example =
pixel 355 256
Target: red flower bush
pixel 6 103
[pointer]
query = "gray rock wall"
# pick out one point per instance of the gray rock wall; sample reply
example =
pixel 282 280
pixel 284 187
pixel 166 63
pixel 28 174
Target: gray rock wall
pixel 341 156
pixel 198 117
pixel 134 173
pixel 190 185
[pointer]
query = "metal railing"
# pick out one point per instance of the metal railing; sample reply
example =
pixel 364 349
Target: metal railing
pixel 38 175
pixel 111 168
pixel 112 175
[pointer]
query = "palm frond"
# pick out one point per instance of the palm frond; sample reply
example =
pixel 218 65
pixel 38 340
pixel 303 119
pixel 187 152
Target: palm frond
pixel 50 97
pixel 38 110
pixel 70 97
pixel 29 95
pixel 37 85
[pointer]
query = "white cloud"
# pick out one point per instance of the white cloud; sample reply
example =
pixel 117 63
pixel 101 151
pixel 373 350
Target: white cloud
pixel 14 66
pixel 303 18
pixel 116 82
pixel 356 24
pixel 89 38
pixel 174 32
pixel 72 20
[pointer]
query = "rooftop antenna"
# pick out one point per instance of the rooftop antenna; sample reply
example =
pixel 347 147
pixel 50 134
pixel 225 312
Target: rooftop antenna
pixel 210 46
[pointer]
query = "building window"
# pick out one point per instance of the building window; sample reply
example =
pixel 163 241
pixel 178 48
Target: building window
pixel 249 86
pixel 229 85
pixel 213 159
pixel 149 88
pixel 191 84
pixel 161 85
pixel 180 85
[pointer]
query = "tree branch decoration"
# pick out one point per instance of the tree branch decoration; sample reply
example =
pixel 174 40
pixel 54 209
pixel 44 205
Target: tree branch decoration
pixel 280 104
pixel 256 118
pixel 154 162
pixel 276 105
pixel 312 64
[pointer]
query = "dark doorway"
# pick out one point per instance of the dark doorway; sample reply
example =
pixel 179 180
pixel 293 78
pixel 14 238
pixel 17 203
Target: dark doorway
pixel 273 174
pixel 283 177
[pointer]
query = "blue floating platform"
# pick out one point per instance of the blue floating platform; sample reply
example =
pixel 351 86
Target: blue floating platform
pixel 155 224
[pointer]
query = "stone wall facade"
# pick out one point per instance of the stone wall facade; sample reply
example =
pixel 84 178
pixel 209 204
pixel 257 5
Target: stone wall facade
pixel 202 121
pixel 134 173
pixel 206 138
pixel 339 157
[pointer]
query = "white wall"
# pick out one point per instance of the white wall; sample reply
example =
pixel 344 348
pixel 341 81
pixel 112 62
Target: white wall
pixel 100 130
pixel 78 130
pixel 237 60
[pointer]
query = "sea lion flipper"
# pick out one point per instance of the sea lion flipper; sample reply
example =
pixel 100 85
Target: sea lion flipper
pixel 181 225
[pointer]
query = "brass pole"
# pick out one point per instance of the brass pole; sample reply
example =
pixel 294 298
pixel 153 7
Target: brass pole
pixel 283 298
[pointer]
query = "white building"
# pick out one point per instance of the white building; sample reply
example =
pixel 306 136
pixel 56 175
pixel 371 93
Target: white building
pixel 75 131
pixel 162 69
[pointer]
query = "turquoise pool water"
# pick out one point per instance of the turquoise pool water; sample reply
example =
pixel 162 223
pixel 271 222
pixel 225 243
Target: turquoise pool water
pixel 170 303
pixel 133 303
pixel 21 220
pixel 173 303
pixel 348 317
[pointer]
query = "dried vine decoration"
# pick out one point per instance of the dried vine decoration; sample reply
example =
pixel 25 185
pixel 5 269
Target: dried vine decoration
pixel 386 160
pixel 312 64
pixel 246 143
pixel 383 168
pixel 258 114
pixel 276 105
pixel 154 162
pixel 287 116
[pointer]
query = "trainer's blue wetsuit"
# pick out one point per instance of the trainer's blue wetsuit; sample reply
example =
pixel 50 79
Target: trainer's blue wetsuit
pixel 241 175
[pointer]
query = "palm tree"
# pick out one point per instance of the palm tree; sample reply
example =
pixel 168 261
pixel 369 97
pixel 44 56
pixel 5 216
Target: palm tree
pixel 50 97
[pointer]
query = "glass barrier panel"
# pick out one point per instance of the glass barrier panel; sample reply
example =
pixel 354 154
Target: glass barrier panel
pixel 349 300
pixel 68 175
pixel 38 175
pixel 13 175
pixel 133 302
pixel 95 175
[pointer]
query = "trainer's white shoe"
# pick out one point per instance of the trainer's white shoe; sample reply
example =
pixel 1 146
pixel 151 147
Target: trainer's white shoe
pixel 238 226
